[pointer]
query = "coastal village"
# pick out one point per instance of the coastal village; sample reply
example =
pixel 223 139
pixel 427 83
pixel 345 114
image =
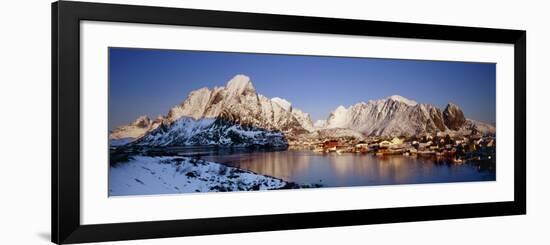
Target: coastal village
pixel 457 148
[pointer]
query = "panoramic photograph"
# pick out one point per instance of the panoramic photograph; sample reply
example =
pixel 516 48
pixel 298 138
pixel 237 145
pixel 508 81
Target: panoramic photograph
pixel 202 121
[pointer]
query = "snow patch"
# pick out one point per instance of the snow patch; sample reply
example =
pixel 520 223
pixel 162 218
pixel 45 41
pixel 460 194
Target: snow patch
pixel 319 124
pixel 402 99
pixel 339 118
pixel 144 175
pixel 282 103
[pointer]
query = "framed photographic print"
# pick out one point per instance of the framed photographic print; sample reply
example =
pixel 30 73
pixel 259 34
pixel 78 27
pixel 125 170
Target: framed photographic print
pixel 176 122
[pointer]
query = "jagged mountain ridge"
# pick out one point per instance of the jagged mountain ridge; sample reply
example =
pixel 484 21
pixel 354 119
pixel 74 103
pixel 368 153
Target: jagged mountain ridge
pixel 187 131
pixel 137 128
pixel 396 115
pixel 239 103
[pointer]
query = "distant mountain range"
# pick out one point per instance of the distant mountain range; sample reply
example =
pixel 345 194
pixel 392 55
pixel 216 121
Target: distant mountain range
pixel 237 115
pixel 396 115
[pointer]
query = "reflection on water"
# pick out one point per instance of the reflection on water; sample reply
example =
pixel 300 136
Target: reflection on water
pixel 306 167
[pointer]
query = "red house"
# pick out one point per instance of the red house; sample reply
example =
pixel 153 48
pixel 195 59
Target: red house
pixel 331 144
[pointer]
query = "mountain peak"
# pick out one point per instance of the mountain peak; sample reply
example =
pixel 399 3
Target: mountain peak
pixel 239 84
pixel 142 121
pixel 453 116
pixel 402 99
pixel 340 108
pixel 282 103
pixel 451 106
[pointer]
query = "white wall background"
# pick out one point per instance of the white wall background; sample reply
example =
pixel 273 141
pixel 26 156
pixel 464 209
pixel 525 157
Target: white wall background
pixel 25 121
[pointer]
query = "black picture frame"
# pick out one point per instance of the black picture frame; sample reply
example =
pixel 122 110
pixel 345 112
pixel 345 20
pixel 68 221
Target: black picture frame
pixel 65 169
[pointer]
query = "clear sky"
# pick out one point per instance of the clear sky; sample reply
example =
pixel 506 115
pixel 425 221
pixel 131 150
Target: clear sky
pixel 149 82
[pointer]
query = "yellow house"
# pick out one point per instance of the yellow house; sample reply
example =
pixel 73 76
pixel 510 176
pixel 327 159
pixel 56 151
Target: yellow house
pixel 397 141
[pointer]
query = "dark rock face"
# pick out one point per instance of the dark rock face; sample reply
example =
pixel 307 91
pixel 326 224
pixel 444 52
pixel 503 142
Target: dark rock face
pixel 438 120
pixel 453 117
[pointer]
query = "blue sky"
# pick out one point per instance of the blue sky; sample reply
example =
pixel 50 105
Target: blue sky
pixel 149 82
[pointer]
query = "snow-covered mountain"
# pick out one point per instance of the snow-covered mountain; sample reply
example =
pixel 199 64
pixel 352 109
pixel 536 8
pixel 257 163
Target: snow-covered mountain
pixel 396 115
pixel 135 129
pixel 128 133
pixel 217 115
pixel 239 102
pixel 187 131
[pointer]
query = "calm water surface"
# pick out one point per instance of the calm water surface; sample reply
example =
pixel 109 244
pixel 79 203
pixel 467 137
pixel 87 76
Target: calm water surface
pixel 332 170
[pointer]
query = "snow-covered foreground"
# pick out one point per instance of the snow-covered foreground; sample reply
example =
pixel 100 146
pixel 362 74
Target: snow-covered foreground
pixel 144 175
